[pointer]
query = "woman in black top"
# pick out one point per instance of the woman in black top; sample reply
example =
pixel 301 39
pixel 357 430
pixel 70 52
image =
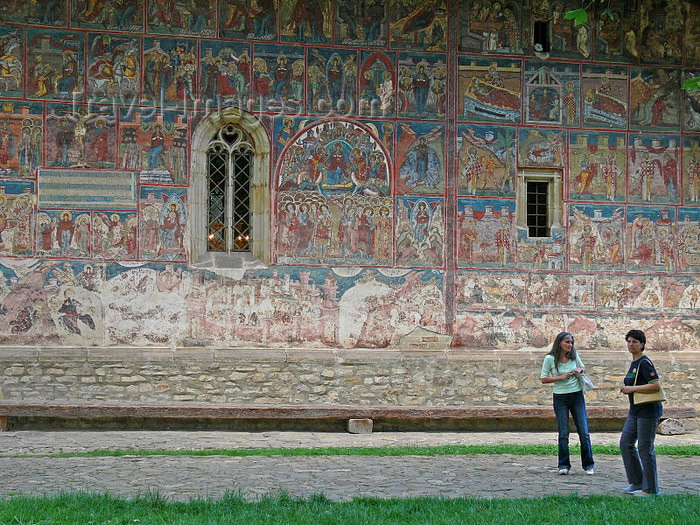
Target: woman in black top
pixel 637 439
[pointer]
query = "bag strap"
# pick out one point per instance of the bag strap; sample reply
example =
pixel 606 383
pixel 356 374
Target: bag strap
pixel 639 366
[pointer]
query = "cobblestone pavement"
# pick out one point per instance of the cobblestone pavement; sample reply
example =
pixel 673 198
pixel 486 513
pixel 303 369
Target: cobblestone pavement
pixel 27 470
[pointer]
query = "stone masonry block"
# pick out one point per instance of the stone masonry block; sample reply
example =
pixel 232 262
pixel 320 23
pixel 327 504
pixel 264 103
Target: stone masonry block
pixel 360 426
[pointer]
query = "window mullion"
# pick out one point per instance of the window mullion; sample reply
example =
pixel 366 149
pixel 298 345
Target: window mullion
pixel 230 192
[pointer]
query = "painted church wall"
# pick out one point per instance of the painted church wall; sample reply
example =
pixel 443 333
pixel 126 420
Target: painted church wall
pixel 398 131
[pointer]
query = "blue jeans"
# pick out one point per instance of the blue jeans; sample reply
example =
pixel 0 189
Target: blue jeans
pixel 640 464
pixel 576 405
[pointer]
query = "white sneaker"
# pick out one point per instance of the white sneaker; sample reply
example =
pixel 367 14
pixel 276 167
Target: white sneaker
pixel 590 471
pixel 563 471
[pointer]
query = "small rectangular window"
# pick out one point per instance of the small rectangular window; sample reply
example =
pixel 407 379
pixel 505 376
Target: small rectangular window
pixel 538 208
pixel 540 36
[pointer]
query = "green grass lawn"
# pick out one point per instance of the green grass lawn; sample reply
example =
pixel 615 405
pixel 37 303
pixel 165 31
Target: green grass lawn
pixel 88 509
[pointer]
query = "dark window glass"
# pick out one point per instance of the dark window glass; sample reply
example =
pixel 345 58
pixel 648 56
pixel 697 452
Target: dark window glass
pixel 537 208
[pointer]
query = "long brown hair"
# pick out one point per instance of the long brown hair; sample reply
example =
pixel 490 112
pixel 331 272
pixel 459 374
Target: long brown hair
pixel 557 350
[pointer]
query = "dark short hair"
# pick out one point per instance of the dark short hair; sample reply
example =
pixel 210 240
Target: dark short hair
pixel 638 335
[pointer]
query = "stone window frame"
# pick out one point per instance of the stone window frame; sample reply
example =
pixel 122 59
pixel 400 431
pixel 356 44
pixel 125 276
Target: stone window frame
pixel 229 264
pixel 555 201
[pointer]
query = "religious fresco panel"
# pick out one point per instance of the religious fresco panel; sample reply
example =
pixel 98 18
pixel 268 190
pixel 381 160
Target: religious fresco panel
pixel 84 136
pixel 420 227
pixel 566 39
pixel 419 24
pixel 487 234
pixel 225 74
pixel 169 72
pixel 331 81
pixel 596 237
pixel 55 65
pixel 548 290
pixel 422 86
pixel 53 13
pixel 489 90
pixel 691 170
pixel 361 24
pixel 248 19
pixel 113 68
pixel 155 144
pixel 690 116
pixel 597 166
pixel 420 158
pixel 661 31
pixel 511 329
pixel 161 223
pixel 491 291
pixel 537 253
pixel 377 89
pixel 108 15
pixel 333 200
pixel 650 239
pixel 688 228
pixel 653 168
pixel 384 130
pixel 641 292
pixel 21 138
pixel 691 37
pixel 181 17
pixel 605 96
pixel 486 160
pixel 552 94
pixel 617 30
pixel 114 235
pixel 542 148
pixel 491 26
pixel 582 290
pixel 12 66
pixel 306 21
pixel 655 99
pixel 681 294
pixel 17 218
pixel 278 78
pixel 64 233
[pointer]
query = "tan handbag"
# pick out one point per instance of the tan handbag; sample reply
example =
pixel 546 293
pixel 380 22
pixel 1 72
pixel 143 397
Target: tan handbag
pixel 641 398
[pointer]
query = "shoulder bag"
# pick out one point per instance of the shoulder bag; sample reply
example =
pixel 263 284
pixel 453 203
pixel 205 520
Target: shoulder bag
pixel 585 383
pixel 641 398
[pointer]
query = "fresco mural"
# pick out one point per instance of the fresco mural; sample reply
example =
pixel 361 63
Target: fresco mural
pixel 307 21
pixel 155 144
pixel 278 79
pixel 486 233
pixel 653 168
pixel 551 94
pixel 541 148
pixel 110 15
pixel 361 23
pixel 56 65
pixel 422 86
pixel 597 166
pixel 486 161
pixel 655 99
pixel 248 19
pixel 419 24
pixel 605 100
pixel 617 32
pixel 21 139
pixel 333 195
pixel 651 238
pixel 84 136
pixel 489 91
pixel 12 70
pixel 169 71
pixel 377 89
pixel 332 82
pixel 181 17
pixel 113 68
pixel 225 70
pixel 420 158
pixel 383 188
pixel 52 13
pixel 661 31
pixel 491 26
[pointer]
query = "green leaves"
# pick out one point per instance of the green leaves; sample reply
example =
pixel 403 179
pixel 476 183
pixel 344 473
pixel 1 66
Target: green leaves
pixel 580 16
pixel 691 84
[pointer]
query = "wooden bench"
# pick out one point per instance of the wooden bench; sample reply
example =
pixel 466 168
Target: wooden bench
pixel 285 417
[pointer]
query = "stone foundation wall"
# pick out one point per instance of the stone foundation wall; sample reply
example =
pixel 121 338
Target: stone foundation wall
pixel 368 377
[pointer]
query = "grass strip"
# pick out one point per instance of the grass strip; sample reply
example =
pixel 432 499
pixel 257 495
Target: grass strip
pixel 521 450
pixel 91 509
